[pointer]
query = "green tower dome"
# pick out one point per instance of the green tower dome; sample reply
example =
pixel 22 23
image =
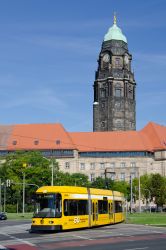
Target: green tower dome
pixel 115 33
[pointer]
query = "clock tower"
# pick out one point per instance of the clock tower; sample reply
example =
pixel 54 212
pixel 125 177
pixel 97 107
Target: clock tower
pixel 114 87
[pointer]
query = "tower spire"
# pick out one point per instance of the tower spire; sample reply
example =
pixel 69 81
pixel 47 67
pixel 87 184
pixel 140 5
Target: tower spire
pixel 115 18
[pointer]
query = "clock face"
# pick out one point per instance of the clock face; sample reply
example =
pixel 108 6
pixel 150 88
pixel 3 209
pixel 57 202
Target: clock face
pixel 106 58
pixel 126 59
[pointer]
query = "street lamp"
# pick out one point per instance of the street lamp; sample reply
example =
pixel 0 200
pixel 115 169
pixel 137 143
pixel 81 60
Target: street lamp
pixel 131 186
pixel 52 170
pixel 131 194
pixel 105 174
pixel 23 194
pixel 52 173
pixel 139 191
pixel 0 196
pixel 77 180
pixel 23 190
pixel 149 197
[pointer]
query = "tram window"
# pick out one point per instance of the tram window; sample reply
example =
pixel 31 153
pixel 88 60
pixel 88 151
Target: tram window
pixel 75 207
pixel 102 207
pixel 118 206
pixel 58 206
pixel 48 206
pixel 72 207
pixel 82 207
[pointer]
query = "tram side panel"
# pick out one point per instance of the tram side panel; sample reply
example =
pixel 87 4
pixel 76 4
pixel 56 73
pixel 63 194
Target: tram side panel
pixel 75 209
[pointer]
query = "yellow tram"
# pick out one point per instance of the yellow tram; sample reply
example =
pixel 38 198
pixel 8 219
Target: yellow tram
pixel 65 207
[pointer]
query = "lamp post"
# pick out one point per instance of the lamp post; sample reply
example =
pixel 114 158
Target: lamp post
pixel 131 194
pixel 52 173
pixel 139 192
pixel 149 197
pixel 23 194
pixel 23 190
pixel 0 196
pixel 52 169
pixel 4 197
pixel 75 181
pixel 131 187
pixel 105 174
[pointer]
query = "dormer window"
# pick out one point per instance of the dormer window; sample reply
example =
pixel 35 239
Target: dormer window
pixel 14 142
pixel 58 142
pixel 36 142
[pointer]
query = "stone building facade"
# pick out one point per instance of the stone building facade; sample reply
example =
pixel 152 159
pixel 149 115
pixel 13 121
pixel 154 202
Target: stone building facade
pixel 117 168
pixel 114 87
pixel 121 154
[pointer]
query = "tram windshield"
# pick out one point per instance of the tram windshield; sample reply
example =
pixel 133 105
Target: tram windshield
pixel 48 206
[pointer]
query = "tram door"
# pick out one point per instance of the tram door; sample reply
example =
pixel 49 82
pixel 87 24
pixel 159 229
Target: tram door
pixel 110 209
pixel 94 212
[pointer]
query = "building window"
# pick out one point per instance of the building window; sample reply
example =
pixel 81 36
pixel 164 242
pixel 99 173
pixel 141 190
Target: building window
pixel 103 105
pixel 118 92
pixel 122 176
pixel 103 93
pixel 112 176
pixel 103 124
pixel 122 164
pixel 117 62
pixel 92 177
pixel 92 165
pixel 119 124
pixel 133 175
pixel 102 165
pixel 130 94
pixel 82 166
pixel 133 164
pixel 112 164
pixel 67 165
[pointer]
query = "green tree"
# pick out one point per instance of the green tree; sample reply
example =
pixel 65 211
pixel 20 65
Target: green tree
pixel 99 182
pixel 158 189
pixel 79 179
pixel 145 181
pixel 123 187
pixel 33 166
pixel 120 186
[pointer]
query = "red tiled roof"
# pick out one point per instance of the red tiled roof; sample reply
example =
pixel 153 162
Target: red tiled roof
pixel 110 141
pixel 39 136
pixel 156 134
pixel 54 136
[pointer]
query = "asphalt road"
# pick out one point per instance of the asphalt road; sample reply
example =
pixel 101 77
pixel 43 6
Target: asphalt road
pixel 14 235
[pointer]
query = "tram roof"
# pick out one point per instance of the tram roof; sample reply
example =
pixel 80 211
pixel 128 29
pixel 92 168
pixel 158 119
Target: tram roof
pixel 77 190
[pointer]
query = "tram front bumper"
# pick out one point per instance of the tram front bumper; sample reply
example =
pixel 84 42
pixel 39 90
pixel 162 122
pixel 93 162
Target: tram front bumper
pixel 35 228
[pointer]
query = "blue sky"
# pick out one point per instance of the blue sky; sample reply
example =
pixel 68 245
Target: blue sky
pixel 49 51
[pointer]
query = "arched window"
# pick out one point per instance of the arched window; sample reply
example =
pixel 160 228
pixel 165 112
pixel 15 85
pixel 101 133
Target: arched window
pixel 103 93
pixel 118 92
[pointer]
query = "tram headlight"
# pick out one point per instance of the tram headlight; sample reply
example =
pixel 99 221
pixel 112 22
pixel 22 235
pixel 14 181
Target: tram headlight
pixel 51 222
